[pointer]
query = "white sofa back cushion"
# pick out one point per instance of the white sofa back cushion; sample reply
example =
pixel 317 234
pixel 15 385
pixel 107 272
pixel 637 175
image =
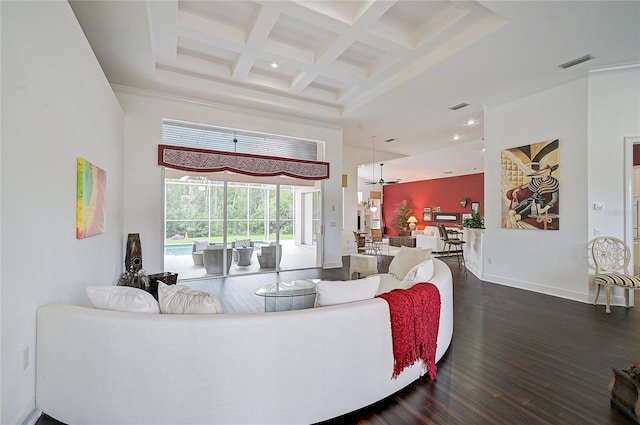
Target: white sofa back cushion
pixel 178 299
pixel 422 272
pixel 122 298
pixel 339 292
pixel 406 259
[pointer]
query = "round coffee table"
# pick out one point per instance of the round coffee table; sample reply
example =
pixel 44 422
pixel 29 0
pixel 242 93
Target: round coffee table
pixel 293 295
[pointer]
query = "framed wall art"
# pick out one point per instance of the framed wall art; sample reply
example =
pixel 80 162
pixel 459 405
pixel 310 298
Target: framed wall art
pixel 91 199
pixel 427 215
pixel 531 186
pixel 475 207
pixel 447 217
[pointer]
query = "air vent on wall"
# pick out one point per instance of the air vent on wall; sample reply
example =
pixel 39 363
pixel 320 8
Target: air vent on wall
pixel 575 61
pixel 458 106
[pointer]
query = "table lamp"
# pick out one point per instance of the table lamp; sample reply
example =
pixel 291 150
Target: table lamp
pixel 412 222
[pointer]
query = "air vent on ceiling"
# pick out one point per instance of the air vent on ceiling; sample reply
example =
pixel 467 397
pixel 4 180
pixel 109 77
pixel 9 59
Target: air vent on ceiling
pixel 575 61
pixel 389 140
pixel 458 106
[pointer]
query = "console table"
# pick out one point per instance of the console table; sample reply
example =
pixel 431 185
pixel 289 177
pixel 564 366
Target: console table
pixel 409 241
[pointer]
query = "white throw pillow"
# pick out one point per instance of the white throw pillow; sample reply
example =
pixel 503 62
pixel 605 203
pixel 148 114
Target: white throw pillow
pixel 179 299
pixel 338 292
pixel 122 298
pixel 422 272
pixel 406 259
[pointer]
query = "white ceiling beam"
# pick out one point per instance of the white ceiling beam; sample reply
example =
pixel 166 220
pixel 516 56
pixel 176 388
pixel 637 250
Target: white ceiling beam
pixel 260 30
pixel 163 30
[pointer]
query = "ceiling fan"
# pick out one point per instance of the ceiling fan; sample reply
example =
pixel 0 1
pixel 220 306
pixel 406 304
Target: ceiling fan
pixel 382 181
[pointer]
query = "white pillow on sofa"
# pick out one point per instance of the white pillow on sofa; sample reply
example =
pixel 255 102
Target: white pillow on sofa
pixel 338 292
pixel 122 298
pixel 406 259
pixel 422 272
pixel 179 299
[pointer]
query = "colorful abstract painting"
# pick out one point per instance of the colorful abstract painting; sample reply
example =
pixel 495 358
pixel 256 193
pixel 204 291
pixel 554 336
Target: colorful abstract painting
pixel 530 186
pixel 91 202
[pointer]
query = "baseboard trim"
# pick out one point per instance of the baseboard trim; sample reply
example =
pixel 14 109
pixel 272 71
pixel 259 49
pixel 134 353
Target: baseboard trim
pixel 587 298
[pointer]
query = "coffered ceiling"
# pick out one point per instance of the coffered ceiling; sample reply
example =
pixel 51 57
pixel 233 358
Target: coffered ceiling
pixel 389 69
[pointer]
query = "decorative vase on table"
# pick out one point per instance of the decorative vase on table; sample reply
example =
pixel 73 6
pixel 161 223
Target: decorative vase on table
pixel 134 275
pixel 133 256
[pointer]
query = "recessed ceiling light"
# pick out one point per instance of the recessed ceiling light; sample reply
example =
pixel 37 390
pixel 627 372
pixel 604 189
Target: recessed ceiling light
pixel 274 65
pixel 483 149
pixel 456 137
pixel 471 122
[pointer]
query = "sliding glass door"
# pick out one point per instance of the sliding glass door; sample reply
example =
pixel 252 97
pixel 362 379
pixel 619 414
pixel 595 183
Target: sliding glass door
pixel 266 224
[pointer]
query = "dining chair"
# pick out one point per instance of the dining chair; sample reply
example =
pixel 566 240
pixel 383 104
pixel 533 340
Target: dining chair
pixel 360 242
pixel 378 241
pixel 611 257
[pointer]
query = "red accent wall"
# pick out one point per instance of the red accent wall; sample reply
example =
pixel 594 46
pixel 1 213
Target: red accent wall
pixel 636 154
pixel 445 193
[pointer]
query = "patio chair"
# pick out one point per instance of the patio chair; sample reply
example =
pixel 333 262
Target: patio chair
pixel 196 252
pixel 611 257
pixel 213 259
pixel 267 256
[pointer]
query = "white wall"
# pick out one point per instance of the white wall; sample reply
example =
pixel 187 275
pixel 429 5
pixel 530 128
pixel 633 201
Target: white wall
pixel 143 177
pixel 56 106
pixel 591 117
pixel 614 113
pixel 351 157
pixel 552 262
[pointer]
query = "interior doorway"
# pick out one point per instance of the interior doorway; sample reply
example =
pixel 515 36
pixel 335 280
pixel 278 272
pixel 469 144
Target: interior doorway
pixel 632 200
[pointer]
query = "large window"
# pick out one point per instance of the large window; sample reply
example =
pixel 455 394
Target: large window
pixel 239 198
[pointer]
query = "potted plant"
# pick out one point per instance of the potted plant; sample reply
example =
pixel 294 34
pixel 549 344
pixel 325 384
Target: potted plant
pixel 475 222
pixel 401 220
pixel 134 278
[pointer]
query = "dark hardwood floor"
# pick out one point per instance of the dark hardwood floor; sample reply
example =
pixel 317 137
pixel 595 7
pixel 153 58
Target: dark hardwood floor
pixel 517 357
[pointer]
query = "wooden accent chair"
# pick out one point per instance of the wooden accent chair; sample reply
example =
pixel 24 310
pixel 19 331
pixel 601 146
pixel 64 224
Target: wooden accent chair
pixel 360 242
pixel 611 257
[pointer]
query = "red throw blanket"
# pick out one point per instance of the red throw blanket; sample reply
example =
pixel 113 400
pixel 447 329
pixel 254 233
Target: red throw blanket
pixel 415 319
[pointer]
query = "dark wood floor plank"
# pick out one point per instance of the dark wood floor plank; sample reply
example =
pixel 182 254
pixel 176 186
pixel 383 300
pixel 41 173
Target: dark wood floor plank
pixel 517 357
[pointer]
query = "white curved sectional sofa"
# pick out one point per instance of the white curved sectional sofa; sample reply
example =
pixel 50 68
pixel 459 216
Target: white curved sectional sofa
pixel 293 367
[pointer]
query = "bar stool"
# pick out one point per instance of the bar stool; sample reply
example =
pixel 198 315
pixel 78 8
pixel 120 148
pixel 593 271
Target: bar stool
pixel 450 243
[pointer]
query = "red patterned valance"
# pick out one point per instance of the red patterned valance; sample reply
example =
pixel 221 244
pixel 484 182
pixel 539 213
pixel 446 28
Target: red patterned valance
pixel 209 161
